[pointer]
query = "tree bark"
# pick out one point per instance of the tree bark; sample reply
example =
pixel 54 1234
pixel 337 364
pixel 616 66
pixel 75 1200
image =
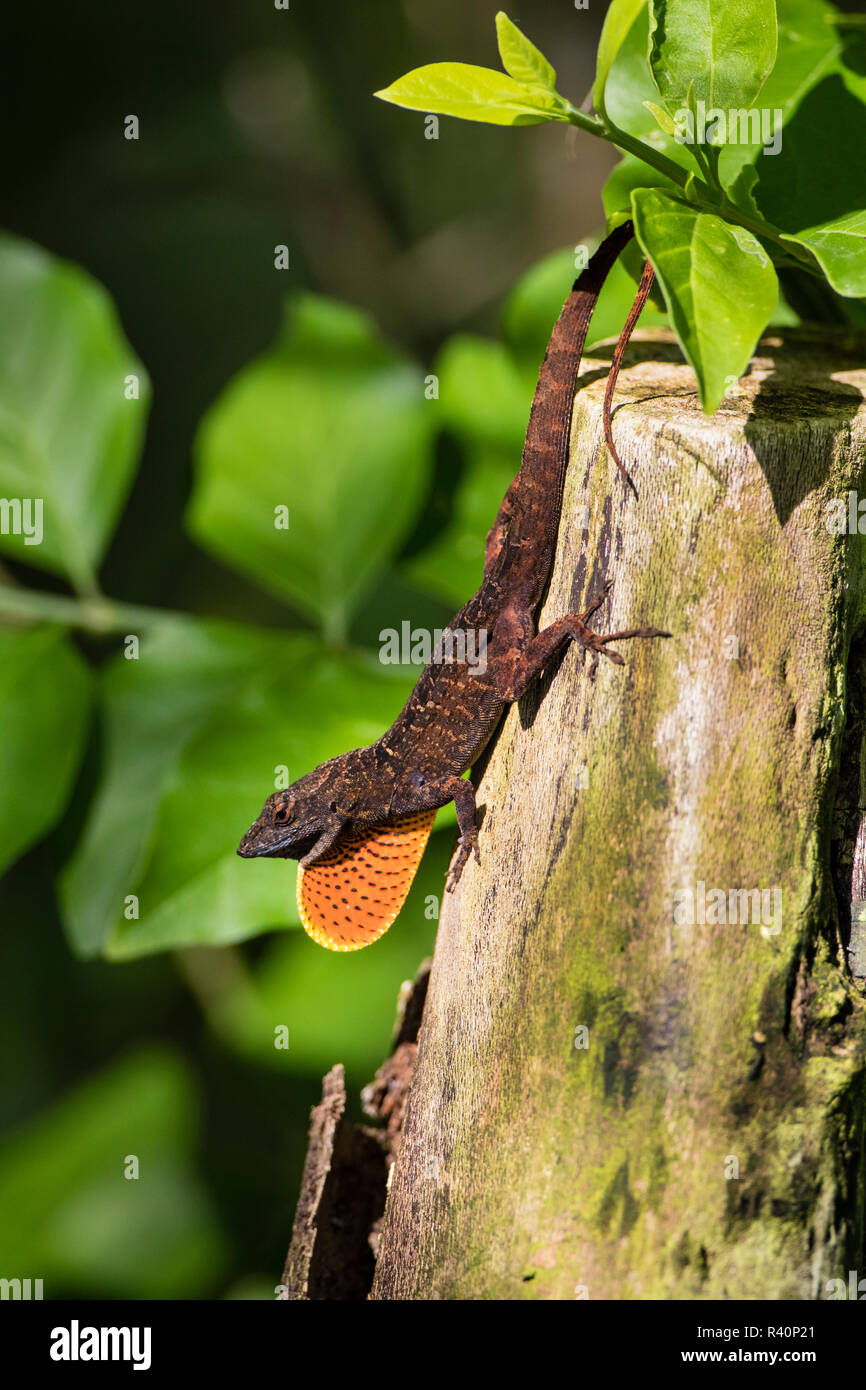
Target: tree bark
pixel 634 1080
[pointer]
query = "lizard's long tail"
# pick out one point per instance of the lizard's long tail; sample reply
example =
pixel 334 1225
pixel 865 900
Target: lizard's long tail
pixel 522 541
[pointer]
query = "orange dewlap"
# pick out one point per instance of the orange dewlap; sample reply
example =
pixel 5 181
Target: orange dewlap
pixel 352 895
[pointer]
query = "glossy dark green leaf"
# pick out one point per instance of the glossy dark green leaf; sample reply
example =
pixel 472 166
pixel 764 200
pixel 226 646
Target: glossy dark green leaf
pixel 629 86
pixel 809 51
pixel 803 191
pixel 44 707
pixel 69 435
pixel 197 731
pixel 331 426
pixel 817 93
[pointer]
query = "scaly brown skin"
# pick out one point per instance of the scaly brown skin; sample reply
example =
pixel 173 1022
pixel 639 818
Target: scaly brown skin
pixel 417 765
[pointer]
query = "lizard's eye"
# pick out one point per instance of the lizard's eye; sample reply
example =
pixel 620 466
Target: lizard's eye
pixel 282 814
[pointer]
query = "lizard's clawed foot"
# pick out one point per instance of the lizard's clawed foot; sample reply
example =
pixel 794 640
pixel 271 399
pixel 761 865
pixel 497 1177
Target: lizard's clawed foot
pixel 466 845
pixel 596 642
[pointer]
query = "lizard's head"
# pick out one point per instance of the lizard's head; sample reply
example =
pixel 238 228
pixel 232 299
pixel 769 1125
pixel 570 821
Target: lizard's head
pixel 291 821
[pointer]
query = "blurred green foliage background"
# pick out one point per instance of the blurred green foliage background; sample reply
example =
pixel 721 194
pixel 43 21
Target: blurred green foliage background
pixel 153 1036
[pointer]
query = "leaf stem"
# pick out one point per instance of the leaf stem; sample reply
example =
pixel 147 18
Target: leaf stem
pixel 678 175
pixel 95 614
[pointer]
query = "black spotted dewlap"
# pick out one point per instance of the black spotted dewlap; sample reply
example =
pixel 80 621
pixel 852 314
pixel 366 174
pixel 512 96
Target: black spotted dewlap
pixel 352 895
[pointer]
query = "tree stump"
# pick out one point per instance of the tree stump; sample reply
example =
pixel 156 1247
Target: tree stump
pixel 640 1071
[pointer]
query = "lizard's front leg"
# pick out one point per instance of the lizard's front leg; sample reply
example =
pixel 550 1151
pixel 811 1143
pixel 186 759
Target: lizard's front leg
pixel 522 662
pixel 331 833
pixel 461 791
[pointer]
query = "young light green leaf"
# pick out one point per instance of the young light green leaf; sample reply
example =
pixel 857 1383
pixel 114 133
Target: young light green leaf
pixel 719 284
pixel 311 466
pixel 520 58
pixel 474 94
pixel 44 708
pixel 728 50
pixel 664 120
pixel 839 247
pixel 621 15
pixel 73 401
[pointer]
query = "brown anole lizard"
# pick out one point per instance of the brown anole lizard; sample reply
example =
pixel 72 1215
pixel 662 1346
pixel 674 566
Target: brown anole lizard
pixel 358 823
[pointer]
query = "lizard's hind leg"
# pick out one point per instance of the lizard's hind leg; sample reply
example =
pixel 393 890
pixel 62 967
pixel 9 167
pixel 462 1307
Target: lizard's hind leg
pixel 513 678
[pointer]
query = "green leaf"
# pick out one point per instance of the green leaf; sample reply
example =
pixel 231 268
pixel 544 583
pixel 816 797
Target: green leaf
pixel 334 426
pixel 484 403
pixel 726 50
pixel 152 708
pixel 840 249
pixel 719 284
pixel 475 94
pixel 801 189
pixel 742 190
pixel 534 305
pixel 621 15
pixel 485 392
pixel 662 118
pixel 195 732
pixel 629 174
pixel 808 52
pixel 452 565
pixel 70 1216
pixel 44 708
pixel 520 58
pixel 629 87
pixel 481 396
pixel 69 438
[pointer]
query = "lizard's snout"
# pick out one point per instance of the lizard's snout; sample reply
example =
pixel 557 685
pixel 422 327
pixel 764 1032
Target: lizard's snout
pixel 249 847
